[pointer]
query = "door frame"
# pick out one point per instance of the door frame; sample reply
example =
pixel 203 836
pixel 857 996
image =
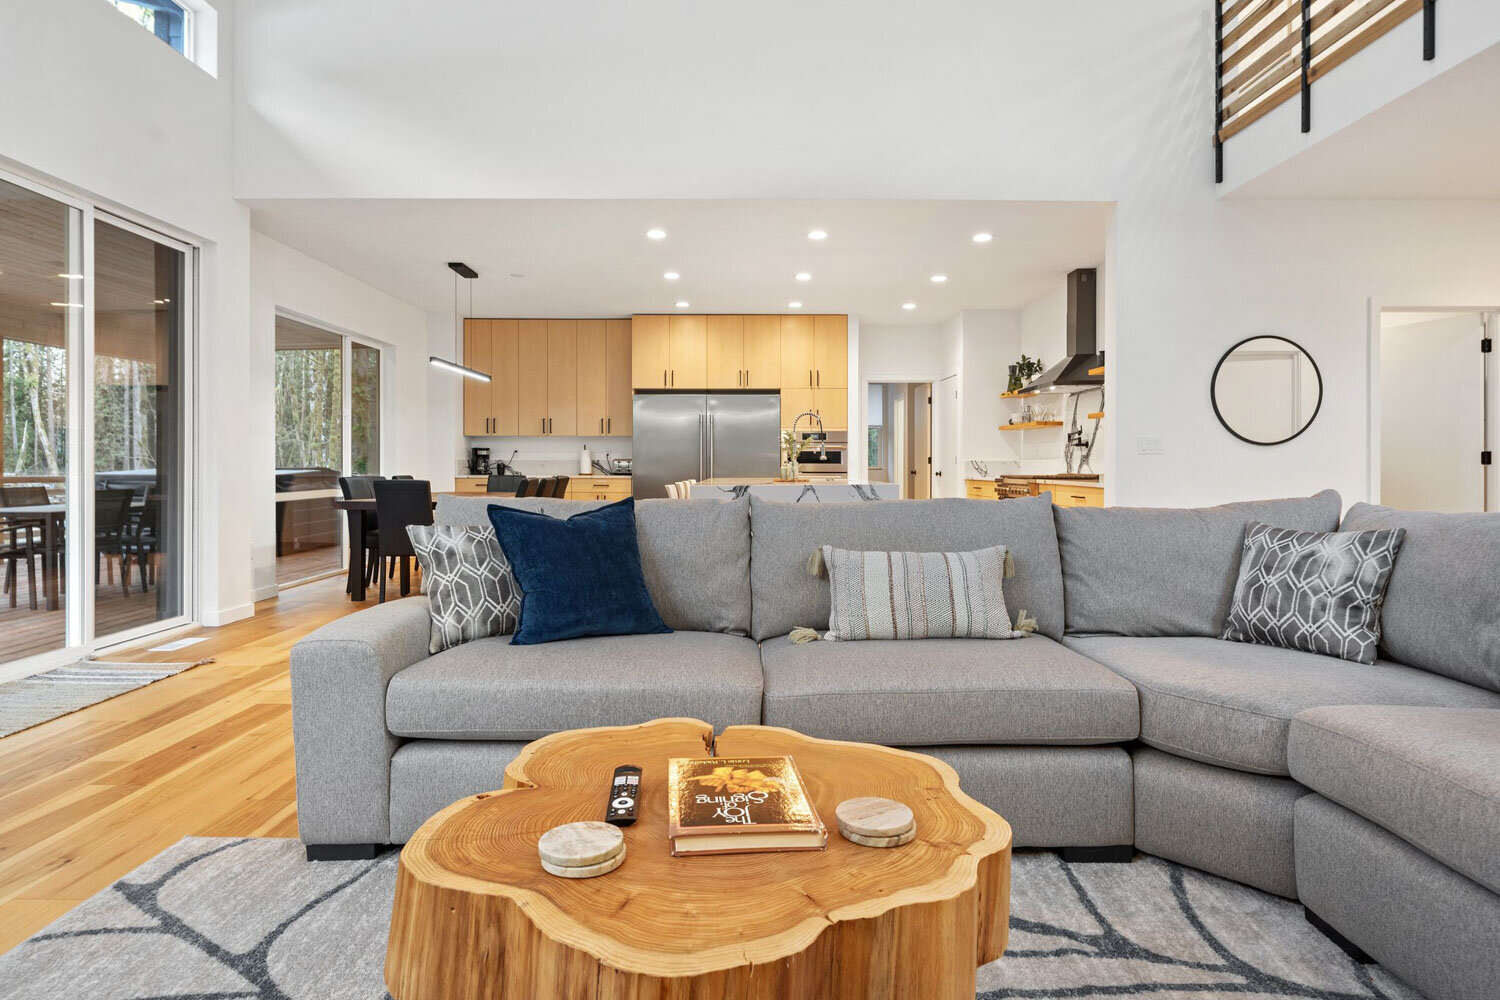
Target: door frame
pixel 79 638
pixel 1375 309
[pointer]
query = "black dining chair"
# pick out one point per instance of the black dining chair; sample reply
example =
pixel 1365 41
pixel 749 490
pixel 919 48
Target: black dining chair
pixel 509 485
pixel 25 536
pixel 530 487
pixel 360 488
pixel 111 529
pixel 403 477
pixel 143 540
pixel 559 487
pixel 398 504
pixel 16 544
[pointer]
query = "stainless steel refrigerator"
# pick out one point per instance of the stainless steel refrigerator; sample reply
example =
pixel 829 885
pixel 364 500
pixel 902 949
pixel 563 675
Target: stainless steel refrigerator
pixel 700 436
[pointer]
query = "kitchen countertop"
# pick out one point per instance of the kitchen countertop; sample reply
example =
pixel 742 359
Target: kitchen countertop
pixel 768 480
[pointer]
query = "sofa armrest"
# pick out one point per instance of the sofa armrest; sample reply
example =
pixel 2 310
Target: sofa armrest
pixel 343 749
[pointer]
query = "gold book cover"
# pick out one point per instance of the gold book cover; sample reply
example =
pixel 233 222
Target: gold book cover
pixel 720 805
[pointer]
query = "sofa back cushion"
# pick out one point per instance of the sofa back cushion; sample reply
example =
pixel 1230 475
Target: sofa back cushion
pixel 1147 571
pixel 695 554
pixel 1442 606
pixel 784 535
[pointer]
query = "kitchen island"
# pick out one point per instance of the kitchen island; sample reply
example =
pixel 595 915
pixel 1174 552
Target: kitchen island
pixel 813 489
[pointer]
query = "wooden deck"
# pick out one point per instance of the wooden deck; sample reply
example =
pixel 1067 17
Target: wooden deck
pixel 208 752
pixel 24 632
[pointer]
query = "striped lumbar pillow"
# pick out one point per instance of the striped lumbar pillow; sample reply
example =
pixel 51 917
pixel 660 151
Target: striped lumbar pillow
pixel 919 595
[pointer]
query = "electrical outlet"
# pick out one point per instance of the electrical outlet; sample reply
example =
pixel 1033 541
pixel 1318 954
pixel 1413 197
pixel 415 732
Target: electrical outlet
pixel 1149 446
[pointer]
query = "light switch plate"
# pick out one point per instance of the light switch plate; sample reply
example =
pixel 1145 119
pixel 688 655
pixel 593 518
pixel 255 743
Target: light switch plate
pixel 1149 446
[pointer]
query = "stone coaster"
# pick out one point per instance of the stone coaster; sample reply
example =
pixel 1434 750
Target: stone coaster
pixel 897 841
pixel 874 817
pixel 587 871
pixel 578 845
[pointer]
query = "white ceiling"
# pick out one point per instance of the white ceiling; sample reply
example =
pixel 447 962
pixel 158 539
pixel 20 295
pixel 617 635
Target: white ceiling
pixel 1440 140
pixel 592 258
pixel 1014 99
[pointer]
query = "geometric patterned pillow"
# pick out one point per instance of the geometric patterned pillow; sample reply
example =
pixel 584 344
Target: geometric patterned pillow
pixel 918 595
pixel 1319 592
pixel 468 582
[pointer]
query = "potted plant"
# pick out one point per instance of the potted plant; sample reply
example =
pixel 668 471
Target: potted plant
pixel 1024 371
pixel 791 445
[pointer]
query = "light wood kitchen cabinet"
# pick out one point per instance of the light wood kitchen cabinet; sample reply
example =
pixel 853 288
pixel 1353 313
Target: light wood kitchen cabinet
pixel 593 376
pixel 490 347
pixel 725 351
pixel 796 400
pixel 832 405
pixel 687 350
pixel 650 359
pixel 762 352
pixel 478 416
pixel 619 398
pixel 831 352
pixel 798 356
pixel 562 376
pixel 470 484
pixel 609 488
pixel 1075 496
pixel 531 388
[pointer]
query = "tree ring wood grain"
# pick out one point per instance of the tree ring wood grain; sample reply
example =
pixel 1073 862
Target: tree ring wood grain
pixel 476 917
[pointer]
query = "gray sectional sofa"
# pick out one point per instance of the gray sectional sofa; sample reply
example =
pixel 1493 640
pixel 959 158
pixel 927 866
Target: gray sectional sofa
pixel 1372 793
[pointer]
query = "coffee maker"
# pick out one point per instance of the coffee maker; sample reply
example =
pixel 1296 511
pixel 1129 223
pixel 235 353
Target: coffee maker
pixel 479 461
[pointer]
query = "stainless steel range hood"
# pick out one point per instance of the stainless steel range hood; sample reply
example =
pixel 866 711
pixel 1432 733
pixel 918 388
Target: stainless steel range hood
pixel 1072 372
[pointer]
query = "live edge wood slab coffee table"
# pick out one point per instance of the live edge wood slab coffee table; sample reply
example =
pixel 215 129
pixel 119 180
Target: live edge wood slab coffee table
pixel 475 916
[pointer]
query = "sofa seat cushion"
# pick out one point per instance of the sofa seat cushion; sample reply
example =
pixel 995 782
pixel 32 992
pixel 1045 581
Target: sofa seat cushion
pixel 946 691
pixel 1431 776
pixel 491 690
pixel 1231 704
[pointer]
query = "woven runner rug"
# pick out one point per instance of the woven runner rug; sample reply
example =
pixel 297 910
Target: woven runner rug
pixel 42 697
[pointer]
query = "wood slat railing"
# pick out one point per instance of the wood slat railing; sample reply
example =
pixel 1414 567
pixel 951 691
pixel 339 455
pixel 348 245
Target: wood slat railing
pixel 1270 51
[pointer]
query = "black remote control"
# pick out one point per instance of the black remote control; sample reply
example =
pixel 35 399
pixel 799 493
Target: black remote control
pixel 624 791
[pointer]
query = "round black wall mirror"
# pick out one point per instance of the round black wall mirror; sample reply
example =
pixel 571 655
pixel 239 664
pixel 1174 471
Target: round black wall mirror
pixel 1267 390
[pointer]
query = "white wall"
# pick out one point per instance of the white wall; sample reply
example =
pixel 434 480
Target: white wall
pixel 104 110
pixel 1044 334
pixel 284 279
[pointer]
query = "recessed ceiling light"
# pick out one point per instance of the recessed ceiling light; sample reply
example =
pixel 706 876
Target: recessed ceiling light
pixel 682 303
pixel 938 279
pixel 803 276
pixel 982 237
pixel 908 305
pixel 671 275
pixel 818 234
pixel 517 274
pixel 794 305
pixel 656 234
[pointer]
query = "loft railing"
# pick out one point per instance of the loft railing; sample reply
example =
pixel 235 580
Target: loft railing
pixel 1270 51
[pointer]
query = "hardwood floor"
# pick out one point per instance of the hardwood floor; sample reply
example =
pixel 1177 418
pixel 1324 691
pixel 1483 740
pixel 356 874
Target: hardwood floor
pixel 208 752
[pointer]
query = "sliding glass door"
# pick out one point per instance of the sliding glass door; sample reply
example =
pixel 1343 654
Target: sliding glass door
pixel 95 518
pixel 325 382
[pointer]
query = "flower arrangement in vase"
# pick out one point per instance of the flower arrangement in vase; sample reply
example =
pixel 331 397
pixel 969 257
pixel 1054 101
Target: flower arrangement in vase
pixel 791 444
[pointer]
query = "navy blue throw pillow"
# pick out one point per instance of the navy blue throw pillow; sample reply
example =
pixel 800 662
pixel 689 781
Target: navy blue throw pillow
pixel 580 576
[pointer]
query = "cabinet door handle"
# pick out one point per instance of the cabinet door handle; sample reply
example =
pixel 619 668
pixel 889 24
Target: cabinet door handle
pixel 809 376
pixel 674 376
pixel 663 378
pixel 544 425
pixel 820 376
pixel 609 425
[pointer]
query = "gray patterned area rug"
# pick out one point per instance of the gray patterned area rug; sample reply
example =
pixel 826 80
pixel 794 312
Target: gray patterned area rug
pixel 213 919
pixel 51 694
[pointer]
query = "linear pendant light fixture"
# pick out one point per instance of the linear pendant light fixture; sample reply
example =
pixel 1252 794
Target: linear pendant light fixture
pixel 460 270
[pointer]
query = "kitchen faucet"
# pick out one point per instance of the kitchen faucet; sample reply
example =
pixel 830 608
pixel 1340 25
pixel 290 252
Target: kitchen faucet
pixel 823 441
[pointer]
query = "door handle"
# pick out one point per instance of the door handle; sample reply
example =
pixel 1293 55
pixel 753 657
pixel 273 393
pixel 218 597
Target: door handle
pixel 609 425
pixel 663 378
pixel 544 425
pixel 809 377
pixel 674 376
pixel 710 446
pixel 702 420
pixel 820 376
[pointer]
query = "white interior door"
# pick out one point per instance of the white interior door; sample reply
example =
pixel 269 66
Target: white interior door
pixel 945 481
pixel 1433 412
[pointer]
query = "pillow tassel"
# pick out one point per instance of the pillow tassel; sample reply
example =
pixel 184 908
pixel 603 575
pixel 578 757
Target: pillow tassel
pixel 802 635
pixel 1010 567
pixel 1025 623
pixel 815 564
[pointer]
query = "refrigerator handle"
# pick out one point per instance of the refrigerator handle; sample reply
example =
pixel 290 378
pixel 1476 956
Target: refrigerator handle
pixel 702 420
pixel 710 446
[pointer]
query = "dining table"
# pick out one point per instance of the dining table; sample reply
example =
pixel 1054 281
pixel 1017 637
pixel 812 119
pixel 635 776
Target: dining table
pixel 50 516
pixel 361 514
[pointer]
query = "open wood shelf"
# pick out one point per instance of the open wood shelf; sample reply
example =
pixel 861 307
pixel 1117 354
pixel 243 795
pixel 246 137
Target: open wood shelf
pixel 1097 371
pixel 1031 425
pixel 1096 415
pixel 1019 395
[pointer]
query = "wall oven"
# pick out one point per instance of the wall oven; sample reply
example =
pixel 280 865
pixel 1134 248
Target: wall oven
pixel 831 459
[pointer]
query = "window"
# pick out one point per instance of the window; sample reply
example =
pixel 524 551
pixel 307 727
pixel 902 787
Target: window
pixel 877 445
pixel 169 21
